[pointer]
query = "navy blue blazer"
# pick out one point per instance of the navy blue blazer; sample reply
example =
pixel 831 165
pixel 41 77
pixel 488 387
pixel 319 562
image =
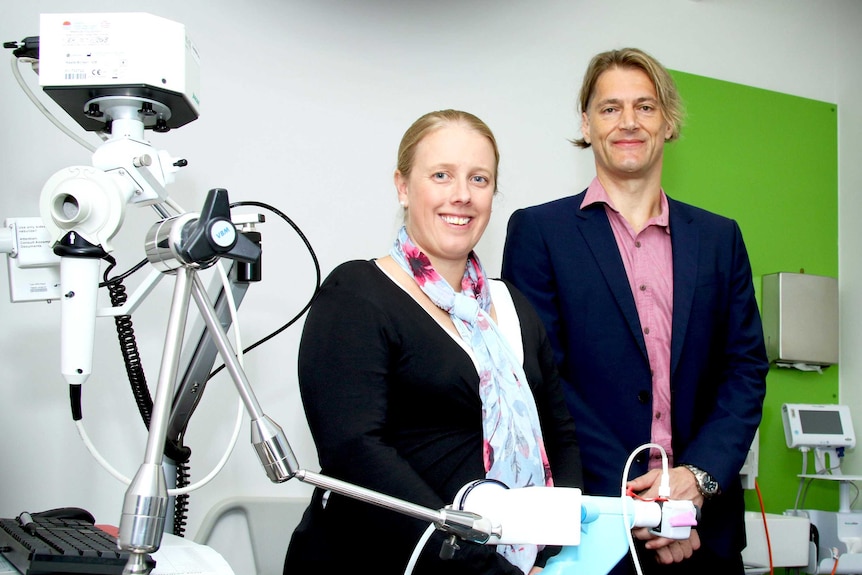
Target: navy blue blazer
pixel 566 261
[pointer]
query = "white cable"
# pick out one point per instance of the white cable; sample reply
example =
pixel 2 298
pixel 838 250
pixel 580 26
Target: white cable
pixel 79 424
pixel 796 504
pixel 664 481
pixel 17 73
pixel 820 462
pixel 240 409
pixel 237 425
pixel 417 550
pixel 54 120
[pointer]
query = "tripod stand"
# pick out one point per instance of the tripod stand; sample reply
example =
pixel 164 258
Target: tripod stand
pixel 181 246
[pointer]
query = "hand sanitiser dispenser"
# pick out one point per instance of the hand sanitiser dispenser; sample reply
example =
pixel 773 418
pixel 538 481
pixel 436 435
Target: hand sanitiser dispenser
pixel 800 319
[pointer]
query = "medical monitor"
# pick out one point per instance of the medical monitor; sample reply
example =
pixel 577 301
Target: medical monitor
pixel 817 426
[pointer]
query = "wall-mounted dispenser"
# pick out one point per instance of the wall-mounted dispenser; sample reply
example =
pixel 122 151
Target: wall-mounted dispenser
pixel 800 320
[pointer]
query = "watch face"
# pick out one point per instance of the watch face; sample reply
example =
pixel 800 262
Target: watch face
pixel 706 484
pixel 710 485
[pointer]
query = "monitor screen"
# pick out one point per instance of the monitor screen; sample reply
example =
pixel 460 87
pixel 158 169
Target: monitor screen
pixel 822 422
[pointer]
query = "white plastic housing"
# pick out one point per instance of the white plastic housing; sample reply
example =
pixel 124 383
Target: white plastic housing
pixel 98 51
pixel 527 515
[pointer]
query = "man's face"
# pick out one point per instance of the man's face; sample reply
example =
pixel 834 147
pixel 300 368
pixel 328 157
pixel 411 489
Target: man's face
pixel 625 126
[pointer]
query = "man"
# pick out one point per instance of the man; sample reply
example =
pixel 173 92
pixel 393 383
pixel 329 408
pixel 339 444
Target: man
pixel 650 306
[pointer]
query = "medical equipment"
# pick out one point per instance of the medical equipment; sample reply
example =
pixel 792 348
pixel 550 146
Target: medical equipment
pixel 105 71
pixel 817 426
pixel 827 430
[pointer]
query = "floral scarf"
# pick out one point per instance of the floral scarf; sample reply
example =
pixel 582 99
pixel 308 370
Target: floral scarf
pixel 513 450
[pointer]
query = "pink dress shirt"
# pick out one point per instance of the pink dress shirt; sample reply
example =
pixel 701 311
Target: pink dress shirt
pixel 648 261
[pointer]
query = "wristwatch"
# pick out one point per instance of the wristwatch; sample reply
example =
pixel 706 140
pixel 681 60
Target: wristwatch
pixel 706 483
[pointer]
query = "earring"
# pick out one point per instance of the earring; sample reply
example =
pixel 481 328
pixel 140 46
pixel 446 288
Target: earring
pixel 403 204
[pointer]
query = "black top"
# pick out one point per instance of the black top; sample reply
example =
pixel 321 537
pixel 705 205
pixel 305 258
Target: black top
pixel 393 405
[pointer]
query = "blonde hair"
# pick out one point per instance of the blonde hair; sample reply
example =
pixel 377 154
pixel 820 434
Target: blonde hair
pixel 669 100
pixel 433 121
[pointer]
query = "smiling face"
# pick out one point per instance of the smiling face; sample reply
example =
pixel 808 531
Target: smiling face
pixel 625 126
pixel 448 192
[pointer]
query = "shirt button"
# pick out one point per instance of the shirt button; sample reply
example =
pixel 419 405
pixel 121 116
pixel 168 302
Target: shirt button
pixel 646 330
pixel 658 415
pixel 643 288
pixel 637 244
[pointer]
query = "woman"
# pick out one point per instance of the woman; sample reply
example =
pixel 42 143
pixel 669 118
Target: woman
pixel 404 365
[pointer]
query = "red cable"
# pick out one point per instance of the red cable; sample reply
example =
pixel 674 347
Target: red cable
pixel 766 527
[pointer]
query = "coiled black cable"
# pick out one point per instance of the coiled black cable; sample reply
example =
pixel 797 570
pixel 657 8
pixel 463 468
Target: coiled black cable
pixel 174 449
pixel 181 504
pixel 129 346
pixel 141 393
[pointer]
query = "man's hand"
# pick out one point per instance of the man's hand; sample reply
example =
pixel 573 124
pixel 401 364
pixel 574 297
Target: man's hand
pixel 669 551
pixel 683 486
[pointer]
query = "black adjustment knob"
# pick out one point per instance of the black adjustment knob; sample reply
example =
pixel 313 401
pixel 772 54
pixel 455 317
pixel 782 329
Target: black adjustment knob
pixel 94 111
pixel 450 545
pixel 213 234
pixel 161 126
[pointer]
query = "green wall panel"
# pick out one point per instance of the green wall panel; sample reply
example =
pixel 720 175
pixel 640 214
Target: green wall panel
pixel 769 161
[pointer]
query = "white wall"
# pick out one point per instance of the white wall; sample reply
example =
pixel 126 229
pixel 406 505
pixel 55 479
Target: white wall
pixel 849 86
pixel 303 105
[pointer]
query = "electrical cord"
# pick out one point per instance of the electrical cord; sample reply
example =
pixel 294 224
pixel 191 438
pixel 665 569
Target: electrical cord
pixel 820 462
pixel 232 307
pixel 125 330
pixel 663 492
pixel 417 550
pixel 126 336
pixel 129 345
pixel 140 391
pixel 182 490
pixel 800 492
pixel 181 502
pixel 316 285
pixel 765 526
pixel 41 107
pixel 106 465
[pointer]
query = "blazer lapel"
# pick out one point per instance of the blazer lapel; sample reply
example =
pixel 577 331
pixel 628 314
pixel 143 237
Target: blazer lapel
pixel 597 233
pixel 685 241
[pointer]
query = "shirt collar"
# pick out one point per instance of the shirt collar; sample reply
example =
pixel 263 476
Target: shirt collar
pixel 596 194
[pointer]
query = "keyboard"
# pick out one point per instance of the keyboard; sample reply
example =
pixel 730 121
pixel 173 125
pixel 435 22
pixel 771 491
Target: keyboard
pixel 54 545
